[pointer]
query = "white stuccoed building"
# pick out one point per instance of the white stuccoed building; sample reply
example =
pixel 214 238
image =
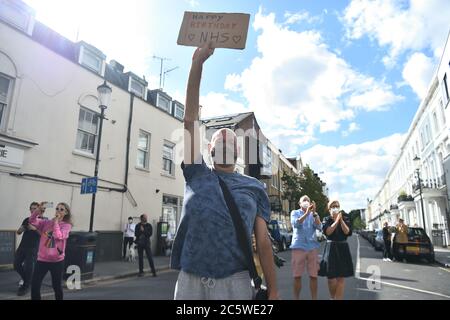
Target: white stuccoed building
pixel 49 119
pixel 425 151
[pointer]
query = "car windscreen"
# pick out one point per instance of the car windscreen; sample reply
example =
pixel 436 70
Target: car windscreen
pixel 416 233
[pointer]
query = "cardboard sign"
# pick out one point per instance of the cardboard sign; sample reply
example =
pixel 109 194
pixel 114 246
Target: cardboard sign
pixel 224 30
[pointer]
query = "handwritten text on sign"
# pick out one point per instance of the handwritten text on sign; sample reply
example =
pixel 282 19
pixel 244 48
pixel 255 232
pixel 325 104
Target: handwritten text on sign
pixel 224 30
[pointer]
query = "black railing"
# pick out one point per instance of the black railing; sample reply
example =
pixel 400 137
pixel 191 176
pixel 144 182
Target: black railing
pixel 431 183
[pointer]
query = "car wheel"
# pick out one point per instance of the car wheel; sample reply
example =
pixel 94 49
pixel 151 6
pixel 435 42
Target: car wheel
pixel 430 259
pixel 283 246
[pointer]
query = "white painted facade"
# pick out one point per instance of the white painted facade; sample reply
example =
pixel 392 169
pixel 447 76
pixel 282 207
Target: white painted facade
pixel 428 139
pixel 38 137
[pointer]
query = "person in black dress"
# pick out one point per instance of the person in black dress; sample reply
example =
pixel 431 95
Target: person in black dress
pixel 336 262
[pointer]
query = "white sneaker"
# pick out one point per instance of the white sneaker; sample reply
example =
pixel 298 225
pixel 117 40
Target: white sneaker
pixel 384 259
pixel 388 260
pixel 20 283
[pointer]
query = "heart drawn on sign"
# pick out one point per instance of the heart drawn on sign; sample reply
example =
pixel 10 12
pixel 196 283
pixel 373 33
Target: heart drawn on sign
pixel 236 39
pixel 191 36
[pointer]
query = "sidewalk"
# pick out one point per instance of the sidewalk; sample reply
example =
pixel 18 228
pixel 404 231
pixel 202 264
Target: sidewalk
pixel 442 256
pixel 103 271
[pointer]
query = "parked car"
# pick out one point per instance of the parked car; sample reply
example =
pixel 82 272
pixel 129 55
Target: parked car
pixel 378 241
pixel 281 234
pixel 371 237
pixel 419 246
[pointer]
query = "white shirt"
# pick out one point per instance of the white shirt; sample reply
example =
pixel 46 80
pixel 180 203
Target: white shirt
pixel 129 230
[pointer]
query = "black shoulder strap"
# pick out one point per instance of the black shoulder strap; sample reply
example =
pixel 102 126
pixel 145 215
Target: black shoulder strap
pixel 241 233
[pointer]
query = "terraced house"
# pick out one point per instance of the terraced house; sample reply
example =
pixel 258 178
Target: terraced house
pixel 416 187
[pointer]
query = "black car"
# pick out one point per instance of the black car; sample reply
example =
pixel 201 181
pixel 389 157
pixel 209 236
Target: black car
pixel 378 241
pixel 419 246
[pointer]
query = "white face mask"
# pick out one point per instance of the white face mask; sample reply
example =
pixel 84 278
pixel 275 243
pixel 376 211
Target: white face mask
pixel 305 204
pixel 335 210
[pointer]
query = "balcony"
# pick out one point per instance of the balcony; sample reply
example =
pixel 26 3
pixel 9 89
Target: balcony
pixel 438 183
pixel 405 198
pixel 431 188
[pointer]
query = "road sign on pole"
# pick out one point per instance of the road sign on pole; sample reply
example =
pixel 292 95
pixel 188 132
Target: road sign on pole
pixel 89 185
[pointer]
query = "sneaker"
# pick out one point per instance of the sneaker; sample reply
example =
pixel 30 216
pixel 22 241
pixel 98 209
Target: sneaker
pixel 22 291
pixel 20 283
pixel 384 259
pixel 154 274
pixel 388 260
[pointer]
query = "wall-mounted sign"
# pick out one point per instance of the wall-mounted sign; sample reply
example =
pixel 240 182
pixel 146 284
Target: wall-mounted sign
pixel 11 156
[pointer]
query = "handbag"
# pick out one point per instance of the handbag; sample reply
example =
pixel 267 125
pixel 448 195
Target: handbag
pixel 244 242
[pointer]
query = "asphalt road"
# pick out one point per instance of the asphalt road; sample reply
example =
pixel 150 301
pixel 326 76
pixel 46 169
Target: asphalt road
pixel 376 280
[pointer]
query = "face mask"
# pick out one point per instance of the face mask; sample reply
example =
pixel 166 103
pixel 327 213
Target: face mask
pixel 305 204
pixel 334 210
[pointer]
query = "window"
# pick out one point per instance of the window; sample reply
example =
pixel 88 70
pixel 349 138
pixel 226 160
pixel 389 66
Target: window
pixel 5 85
pixel 90 60
pixel 16 15
pixel 163 103
pixel 427 134
pixel 143 149
pixel 436 123
pixel 87 131
pixel 441 113
pixel 445 90
pixel 137 88
pixel 422 140
pixel 275 181
pixel 179 111
pixel 168 158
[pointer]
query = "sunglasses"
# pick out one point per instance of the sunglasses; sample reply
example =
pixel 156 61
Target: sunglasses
pixel 60 209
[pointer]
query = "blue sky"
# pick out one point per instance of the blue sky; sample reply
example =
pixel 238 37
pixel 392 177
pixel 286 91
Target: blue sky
pixel 335 81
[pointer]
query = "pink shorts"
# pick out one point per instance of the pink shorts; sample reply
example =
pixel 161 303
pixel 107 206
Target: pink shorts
pixel 302 258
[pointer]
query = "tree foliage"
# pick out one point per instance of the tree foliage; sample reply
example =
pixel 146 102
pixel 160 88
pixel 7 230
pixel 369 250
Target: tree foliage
pixel 308 184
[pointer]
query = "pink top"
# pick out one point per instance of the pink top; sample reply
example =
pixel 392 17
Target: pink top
pixel 52 245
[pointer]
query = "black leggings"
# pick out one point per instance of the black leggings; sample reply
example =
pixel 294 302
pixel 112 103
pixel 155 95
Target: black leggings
pixel 56 270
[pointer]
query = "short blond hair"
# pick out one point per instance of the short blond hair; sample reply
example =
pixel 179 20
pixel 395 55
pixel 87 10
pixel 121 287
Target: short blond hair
pixel 333 202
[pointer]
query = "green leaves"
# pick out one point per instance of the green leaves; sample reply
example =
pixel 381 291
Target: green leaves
pixel 307 183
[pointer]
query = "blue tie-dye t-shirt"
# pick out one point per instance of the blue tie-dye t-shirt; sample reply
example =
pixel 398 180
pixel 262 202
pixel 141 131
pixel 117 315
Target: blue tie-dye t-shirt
pixel 206 244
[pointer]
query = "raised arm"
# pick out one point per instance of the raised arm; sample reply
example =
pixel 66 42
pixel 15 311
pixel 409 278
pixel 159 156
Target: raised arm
pixel 38 223
pixel 61 232
pixel 329 230
pixel 192 150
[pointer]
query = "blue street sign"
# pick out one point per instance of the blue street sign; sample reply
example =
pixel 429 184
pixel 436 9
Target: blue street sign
pixel 89 185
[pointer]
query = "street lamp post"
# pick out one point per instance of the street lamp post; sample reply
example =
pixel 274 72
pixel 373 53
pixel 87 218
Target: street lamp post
pixel 104 98
pixel 417 162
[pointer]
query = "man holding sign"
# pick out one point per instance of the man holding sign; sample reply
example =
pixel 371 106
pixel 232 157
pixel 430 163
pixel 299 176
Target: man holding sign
pixel 206 248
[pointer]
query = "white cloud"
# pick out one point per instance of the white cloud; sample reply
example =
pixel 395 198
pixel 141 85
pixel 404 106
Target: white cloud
pixel 360 167
pixel 193 3
pixel 377 99
pixel 218 104
pixel 417 73
pixel 298 82
pixel 400 25
pixel 292 18
pixel 351 128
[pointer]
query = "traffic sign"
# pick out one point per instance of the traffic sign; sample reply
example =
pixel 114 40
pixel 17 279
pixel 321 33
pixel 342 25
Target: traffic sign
pixel 89 185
